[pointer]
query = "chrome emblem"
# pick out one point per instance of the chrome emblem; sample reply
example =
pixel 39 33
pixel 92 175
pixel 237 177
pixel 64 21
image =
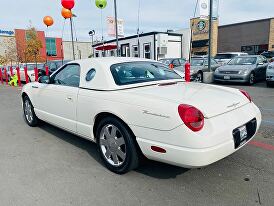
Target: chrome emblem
pixel 233 105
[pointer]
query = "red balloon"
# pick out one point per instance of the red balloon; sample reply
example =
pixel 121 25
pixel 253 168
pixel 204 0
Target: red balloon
pixel 68 4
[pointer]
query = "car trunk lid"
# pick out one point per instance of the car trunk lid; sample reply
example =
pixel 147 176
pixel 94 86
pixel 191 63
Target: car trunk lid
pixel 211 100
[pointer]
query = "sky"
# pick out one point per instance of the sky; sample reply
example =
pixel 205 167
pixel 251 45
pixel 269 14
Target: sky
pixel 155 15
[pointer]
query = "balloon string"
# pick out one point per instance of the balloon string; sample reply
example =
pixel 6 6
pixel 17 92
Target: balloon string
pixel 63 28
pixel 46 44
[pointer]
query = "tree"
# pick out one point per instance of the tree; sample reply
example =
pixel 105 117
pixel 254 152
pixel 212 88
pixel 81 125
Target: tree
pixel 3 60
pixel 28 48
pixel 10 51
pixel 33 46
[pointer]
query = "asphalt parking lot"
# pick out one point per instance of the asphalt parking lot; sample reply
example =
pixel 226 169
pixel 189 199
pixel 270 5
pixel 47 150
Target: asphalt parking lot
pixel 47 166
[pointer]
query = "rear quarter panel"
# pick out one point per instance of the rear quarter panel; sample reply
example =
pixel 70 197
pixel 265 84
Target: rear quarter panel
pixel 132 109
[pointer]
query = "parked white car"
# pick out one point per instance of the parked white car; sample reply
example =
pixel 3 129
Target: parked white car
pixel 30 71
pixel 132 107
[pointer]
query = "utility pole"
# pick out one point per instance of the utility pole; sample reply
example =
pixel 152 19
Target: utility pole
pixel 210 34
pixel 116 28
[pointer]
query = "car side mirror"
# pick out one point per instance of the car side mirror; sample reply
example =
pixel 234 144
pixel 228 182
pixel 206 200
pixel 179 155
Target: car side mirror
pixel 44 80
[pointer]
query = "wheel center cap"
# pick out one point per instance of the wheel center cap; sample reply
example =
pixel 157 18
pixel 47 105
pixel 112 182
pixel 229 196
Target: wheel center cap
pixel 112 145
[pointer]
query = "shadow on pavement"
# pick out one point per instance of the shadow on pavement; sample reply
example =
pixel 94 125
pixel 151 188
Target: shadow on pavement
pixel 82 143
pixel 160 170
pixel 148 167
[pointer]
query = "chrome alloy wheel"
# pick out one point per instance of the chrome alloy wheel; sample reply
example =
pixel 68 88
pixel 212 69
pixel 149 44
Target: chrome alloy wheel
pixel 112 144
pixel 28 111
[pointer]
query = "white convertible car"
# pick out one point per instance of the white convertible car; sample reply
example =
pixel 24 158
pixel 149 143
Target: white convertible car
pixel 133 107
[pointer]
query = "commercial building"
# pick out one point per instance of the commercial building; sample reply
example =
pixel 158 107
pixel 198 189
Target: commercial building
pixel 152 45
pixel 252 37
pixel 53 48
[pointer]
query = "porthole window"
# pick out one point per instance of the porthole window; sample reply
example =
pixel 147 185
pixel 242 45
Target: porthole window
pixel 90 75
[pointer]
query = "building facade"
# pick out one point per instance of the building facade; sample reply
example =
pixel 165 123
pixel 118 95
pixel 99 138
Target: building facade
pixel 152 45
pixel 252 37
pixel 53 48
pixel 83 50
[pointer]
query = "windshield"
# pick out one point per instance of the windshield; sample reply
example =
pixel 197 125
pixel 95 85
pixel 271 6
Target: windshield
pixel 32 66
pixel 197 62
pixel 140 72
pixel 243 61
pixel 225 56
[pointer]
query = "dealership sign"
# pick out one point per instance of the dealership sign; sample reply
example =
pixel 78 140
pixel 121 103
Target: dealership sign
pixel 8 33
pixel 112 28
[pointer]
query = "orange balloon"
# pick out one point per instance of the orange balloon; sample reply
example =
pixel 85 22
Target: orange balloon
pixel 48 20
pixel 66 13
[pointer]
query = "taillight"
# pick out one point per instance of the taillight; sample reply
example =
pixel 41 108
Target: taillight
pixel 192 117
pixel 246 94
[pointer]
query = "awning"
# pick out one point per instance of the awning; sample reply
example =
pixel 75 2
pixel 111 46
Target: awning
pixel 105 47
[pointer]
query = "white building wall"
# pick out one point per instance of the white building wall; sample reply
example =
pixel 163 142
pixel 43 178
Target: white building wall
pixel 174 46
pixel 82 50
pixel 186 41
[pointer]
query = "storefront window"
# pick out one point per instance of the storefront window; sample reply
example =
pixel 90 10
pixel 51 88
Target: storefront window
pixel 135 52
pixel 147 51
pixel 51 46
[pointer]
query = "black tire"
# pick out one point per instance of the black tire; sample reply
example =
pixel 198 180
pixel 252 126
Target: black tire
pixel 34 121
pixel 199 77
pixel 251 79
pixel 132 159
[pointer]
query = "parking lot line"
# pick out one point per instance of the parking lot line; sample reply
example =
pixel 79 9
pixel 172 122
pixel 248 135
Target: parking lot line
pixel 262 145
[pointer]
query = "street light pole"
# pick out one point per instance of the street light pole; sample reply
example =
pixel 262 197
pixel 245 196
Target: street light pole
pixel 210 35
pixel 116 28
pixel 72 38
pixel 91 34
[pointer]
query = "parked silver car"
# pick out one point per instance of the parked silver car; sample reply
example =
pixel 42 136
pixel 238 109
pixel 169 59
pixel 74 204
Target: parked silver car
pixel 224 58
pixel 245 69
pixel 199 65
pixel 270 75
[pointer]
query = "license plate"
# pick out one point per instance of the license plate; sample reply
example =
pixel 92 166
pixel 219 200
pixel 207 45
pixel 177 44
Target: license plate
pixel 243 133
pixel 226 77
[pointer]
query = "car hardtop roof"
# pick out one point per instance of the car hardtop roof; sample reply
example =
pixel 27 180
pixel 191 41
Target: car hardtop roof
pixel 108 61
pixel 103 79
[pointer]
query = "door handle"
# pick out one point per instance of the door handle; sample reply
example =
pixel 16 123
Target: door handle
pixel 35 87
pixel 69 98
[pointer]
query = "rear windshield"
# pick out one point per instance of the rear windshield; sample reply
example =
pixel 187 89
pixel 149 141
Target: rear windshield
pixel 225 56
pixel 197 62
pixel 243 61
pixel 140 72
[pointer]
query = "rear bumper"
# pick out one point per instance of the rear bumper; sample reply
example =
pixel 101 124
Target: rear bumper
pixel 187 157
pixel 233 78
pixel 198 150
